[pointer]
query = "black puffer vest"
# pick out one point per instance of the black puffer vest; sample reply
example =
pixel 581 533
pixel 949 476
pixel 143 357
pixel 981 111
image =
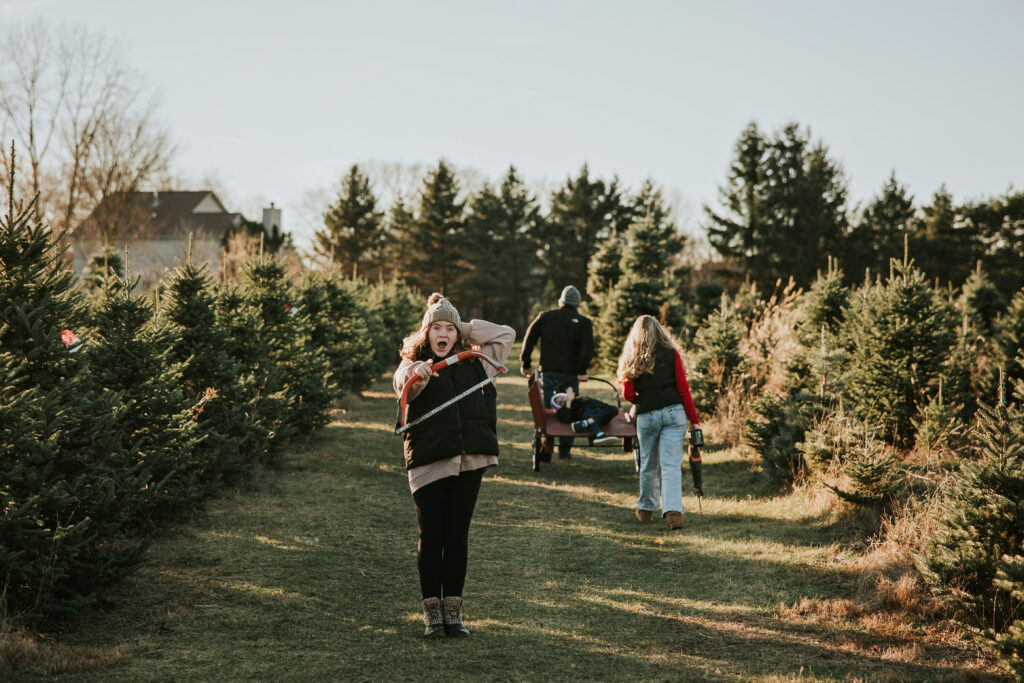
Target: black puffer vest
pixel 468 427
pixel 658 388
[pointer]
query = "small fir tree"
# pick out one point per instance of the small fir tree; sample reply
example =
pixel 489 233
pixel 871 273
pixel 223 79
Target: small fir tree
pixel 128 354
pixel 1009 338
pixel 899 335
pixel 718 361
pixel 306 373
pixel 1009 645
pixel 338 325
pixel 231 439
pixel 824 305
pixel 982 520
pixel 981 303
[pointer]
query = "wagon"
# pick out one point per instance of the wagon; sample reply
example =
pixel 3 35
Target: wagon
pixel 546 426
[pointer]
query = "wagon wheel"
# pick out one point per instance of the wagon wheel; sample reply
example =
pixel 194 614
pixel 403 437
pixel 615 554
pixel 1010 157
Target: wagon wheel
pixel 538 448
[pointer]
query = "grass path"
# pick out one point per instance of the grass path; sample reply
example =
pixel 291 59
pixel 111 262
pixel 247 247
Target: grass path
pixel 309 573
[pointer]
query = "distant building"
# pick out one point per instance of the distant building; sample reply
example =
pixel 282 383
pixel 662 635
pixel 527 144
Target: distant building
pixel 155 226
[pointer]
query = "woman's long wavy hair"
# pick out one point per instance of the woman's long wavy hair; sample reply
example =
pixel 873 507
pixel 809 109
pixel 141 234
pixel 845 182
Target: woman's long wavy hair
pixel 417 346
pixel 641 347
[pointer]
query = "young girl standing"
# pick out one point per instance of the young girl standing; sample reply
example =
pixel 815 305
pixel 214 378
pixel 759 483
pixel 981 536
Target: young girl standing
pixel 652 377
pixel 447 454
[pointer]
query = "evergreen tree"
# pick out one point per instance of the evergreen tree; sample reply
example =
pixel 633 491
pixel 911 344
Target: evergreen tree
pixel 981 303
pixel 436 261
pixel 128 354
pixel 584 214
pixel 401 240
pixel 354 234
pixel 104 265
pixel 1009 338
pixel 304 367
pixel 1009 645
pixel 231 438
pixel 68 487
pixel 718 360
pixel 644 288
pixel 982 520
pixel 784 207
pixel 879 233
pixel 501 236
pixel 394 312
pixel 994 227
pixel 259 379
pixel 338 325
pixel 824 306
pixel 899 334
pixel 937 235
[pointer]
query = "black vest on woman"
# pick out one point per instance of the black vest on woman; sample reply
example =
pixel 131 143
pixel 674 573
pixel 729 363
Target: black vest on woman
pixel 468 427
pixel 657 389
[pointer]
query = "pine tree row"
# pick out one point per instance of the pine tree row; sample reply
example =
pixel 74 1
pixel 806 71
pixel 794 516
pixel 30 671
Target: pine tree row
pixel 119 412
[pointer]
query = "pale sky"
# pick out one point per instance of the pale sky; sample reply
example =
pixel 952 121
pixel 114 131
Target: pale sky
pixel 277 98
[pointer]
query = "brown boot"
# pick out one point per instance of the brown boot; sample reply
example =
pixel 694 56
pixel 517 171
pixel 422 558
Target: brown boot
pixel 453 617
pixel 674 520
pixel 644 515
pixel 433 618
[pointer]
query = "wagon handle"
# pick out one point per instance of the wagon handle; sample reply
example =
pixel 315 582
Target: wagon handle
pixel 403 401
pixel 618 400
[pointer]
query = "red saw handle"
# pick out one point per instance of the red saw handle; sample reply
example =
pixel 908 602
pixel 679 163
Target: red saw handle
pixel 403 401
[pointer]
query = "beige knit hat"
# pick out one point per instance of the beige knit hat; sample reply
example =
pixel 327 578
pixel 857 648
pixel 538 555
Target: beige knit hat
pixel 439 308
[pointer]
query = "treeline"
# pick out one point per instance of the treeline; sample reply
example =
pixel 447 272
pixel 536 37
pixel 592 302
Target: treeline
pixel 120 412
pixel 904 399
pixel 784 209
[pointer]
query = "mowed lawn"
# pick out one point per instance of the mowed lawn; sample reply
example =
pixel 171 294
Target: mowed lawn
pixel 308 572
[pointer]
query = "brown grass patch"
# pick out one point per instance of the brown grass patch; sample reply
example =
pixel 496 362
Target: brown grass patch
pixel 25 653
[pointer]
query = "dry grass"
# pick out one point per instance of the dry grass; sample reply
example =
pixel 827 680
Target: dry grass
pixel 27 653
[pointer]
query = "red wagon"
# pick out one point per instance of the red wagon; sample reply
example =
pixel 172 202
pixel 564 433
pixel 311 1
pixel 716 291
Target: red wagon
pixel 546 426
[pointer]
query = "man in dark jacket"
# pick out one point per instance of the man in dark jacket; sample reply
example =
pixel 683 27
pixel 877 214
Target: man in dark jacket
pixel 566 348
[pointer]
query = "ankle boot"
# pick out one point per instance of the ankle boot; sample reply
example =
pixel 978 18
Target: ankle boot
pixel 433 618
pixel 453 617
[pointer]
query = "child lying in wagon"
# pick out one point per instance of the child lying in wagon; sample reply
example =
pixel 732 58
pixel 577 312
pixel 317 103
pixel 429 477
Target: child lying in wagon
pixel 586 414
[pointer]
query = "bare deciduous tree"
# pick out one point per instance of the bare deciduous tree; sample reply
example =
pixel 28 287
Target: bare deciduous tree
pixel 86 121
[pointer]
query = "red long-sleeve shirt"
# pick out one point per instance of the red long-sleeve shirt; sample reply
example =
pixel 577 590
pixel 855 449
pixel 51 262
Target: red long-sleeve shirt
pixel 682 386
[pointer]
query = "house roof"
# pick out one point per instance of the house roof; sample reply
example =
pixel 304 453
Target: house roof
pixel 158 215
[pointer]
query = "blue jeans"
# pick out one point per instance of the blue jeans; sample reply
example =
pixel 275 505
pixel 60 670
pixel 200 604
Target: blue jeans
pixel 551 383
pixel 661 435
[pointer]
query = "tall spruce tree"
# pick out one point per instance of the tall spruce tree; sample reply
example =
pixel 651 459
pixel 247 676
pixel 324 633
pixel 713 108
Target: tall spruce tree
pixel 401 240
pixel 354 234
pixel 939 243
pixel 501 231
pixel 784 207
pixel 584 213
pixel 644 287
pixel 899 334
pixel 878 235
pixel 436 262
pixel 994 226
pixel 68 486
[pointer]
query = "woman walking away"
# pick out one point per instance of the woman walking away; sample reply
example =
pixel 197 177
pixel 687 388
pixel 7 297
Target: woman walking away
pixel 447 453
pixel 652 377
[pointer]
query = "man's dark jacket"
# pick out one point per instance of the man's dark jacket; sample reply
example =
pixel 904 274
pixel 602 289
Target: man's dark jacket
pixel 566 341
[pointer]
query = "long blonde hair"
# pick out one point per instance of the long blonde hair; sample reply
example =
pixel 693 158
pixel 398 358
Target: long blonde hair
pixel 641 347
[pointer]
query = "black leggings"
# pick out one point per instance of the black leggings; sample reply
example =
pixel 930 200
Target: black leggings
pixel 444 509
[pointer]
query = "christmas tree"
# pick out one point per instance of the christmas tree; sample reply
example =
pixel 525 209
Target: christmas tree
pixel 232 440
pixel 982 519
pixel 338 325
pixel 899 334
pixel 128 354
pixel 304 367
pixel 68 487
